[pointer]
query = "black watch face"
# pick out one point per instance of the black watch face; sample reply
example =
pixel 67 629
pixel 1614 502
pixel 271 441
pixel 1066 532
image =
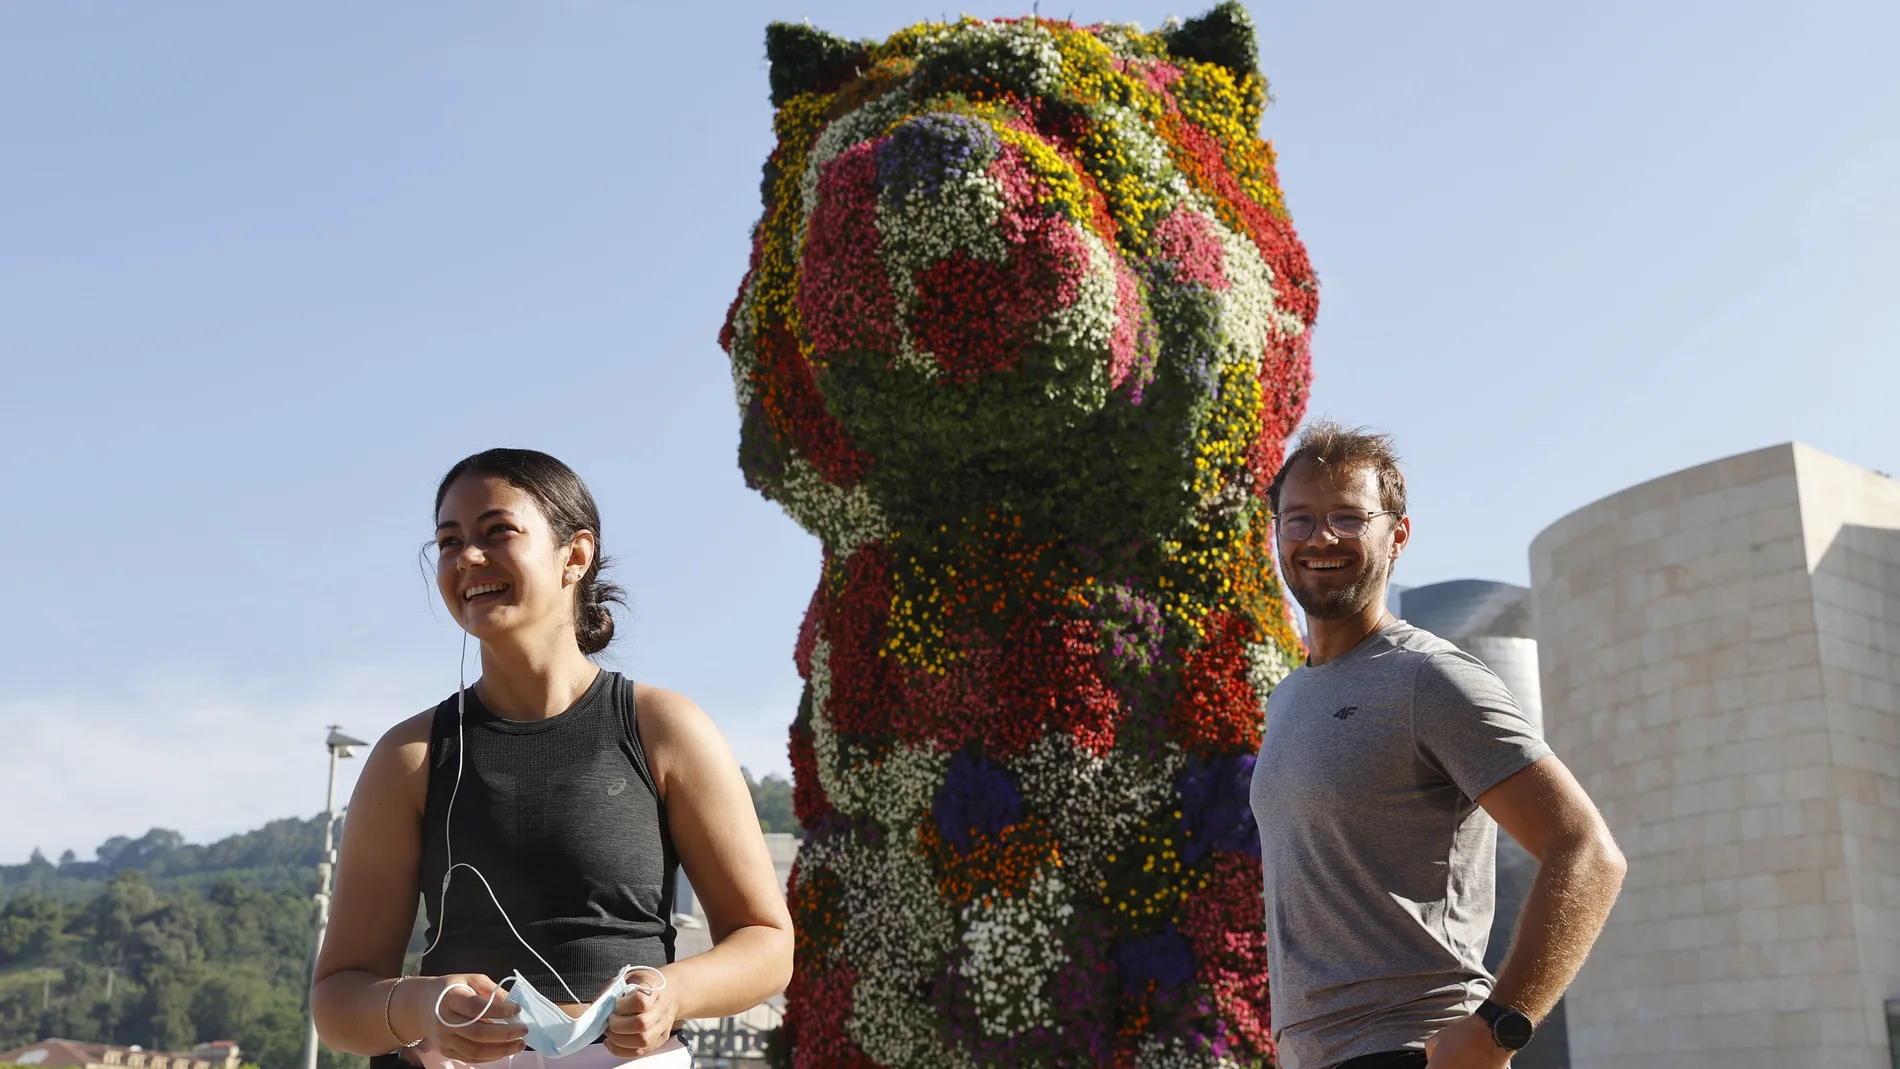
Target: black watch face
pixel 1513 1030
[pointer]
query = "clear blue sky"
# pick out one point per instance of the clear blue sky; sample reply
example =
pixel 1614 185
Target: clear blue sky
pixel 266 270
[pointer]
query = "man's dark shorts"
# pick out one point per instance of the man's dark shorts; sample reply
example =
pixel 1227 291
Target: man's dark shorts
pixel 1388 1059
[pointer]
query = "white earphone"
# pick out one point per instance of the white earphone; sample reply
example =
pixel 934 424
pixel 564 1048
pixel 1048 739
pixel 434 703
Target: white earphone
pixel 448 843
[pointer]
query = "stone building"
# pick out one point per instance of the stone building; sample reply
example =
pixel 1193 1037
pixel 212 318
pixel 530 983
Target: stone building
pixel 1720 653
pixel 1492 622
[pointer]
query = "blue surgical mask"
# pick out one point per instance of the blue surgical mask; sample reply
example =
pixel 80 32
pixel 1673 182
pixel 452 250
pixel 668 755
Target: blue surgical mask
pixel 554 1034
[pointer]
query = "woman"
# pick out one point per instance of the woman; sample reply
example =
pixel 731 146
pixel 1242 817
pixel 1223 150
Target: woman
pixel 542 813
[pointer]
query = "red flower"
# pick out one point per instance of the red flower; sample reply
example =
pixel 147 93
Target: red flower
pixel 864 693
pixel 949 709
pixel 797 413
pixel 844 297
pixel 1217 711
pixel 809 803
pixel 975 315
pixel 1284 375
pixel 821 1001
pixel 1225 924
pixel 1186 239
pixel 1051 680
pixel 1046 676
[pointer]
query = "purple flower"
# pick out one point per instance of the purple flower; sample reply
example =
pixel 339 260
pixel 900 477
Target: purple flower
pixel 1164 958
pixel 977 797
pixel 1131 627
pixel 929 150
pixel 1216 810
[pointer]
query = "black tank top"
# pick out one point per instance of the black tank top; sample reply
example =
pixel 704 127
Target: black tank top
pixel 563 818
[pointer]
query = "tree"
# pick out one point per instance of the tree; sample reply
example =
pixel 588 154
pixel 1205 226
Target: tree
pixel 29 926
pixel 772 800
pixel 164 970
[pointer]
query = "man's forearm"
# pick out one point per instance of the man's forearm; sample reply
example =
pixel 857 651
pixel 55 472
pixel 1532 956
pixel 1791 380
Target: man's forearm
pixel 1576 885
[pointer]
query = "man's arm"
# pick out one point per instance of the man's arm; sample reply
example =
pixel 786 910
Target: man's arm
pixel 1580 871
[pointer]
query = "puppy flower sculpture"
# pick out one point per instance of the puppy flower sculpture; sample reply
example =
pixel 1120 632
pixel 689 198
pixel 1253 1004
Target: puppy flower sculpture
pixel 1024 329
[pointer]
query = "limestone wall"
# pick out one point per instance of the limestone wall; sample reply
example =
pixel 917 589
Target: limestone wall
pixel 1719 668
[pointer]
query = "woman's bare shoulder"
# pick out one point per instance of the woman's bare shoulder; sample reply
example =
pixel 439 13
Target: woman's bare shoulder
pixel 409 734
pixel 399 763
pixel 664 709
pixel 674 730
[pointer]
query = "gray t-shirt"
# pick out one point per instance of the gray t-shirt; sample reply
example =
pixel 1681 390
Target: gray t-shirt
pixel 1379 863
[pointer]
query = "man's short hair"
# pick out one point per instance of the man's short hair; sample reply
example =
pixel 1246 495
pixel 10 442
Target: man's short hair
pixel 1332 445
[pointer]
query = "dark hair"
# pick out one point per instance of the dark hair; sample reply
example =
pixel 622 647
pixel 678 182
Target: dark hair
pixel 1327 443
pixel 569 509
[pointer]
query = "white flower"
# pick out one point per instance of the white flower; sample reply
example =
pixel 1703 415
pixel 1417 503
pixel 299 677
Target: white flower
pixel 860 124
pixel 1267 665
pixel 833 776
pixel 1013 951
pixel 896 941
pixel 1248 313
pixel 903 785
pixel 745 349
pixel 842 519
pixel 1143 151
pixel 1087 324
pixel 917 229
pixel 1032 46
pixel 897 932
pixel 1093 804
pixel 894 790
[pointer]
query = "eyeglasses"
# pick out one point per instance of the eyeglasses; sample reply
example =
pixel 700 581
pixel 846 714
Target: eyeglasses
pixel 1345 523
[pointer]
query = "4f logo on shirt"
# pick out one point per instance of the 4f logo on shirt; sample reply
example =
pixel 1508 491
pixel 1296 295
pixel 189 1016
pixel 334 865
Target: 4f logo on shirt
pixel 1346 712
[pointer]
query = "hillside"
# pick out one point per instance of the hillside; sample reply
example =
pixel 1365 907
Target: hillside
pixel 280 855
pixel 132 964
pixel 165 943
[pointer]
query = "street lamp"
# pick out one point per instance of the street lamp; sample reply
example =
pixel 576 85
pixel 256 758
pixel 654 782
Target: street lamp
pixel 341 746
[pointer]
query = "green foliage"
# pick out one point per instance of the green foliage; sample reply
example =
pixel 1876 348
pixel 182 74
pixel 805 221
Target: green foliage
pixel 806 60
pixel 282 855
pixel 1224 35
pixel 778 1049
pixel 164 970
pixel 772 800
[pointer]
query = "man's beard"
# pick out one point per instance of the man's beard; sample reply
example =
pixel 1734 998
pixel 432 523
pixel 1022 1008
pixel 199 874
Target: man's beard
pixel 1339 602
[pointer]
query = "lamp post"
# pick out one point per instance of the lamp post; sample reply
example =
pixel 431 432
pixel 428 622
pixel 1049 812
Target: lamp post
pixel 341 746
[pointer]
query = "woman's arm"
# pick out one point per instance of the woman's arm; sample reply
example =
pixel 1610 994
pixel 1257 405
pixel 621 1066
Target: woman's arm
pixel 716 831
pixel 373 913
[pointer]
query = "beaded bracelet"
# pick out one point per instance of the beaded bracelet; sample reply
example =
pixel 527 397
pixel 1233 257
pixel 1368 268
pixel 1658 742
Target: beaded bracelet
pixel 388 1001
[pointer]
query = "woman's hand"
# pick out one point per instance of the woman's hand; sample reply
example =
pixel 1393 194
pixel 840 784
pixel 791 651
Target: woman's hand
pixel 490 1031
pixel 643 1019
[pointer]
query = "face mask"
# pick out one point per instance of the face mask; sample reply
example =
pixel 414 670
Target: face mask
pixel 556 1035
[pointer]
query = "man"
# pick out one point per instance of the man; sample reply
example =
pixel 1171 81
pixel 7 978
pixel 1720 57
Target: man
pixel 1390 759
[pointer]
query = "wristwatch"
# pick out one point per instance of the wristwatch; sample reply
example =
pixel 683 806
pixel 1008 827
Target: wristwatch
pixel 1509 1028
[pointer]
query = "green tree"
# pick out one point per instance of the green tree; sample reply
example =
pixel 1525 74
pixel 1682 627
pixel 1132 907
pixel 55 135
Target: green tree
pixel 30 925
pixel 219 948
pixel 772 800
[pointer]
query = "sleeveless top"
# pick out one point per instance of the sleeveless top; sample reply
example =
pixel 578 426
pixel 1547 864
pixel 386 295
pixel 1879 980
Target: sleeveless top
pixel 564 820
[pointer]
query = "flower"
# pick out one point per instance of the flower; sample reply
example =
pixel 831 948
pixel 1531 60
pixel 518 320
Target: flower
pixel 1024 325
pixel 977 798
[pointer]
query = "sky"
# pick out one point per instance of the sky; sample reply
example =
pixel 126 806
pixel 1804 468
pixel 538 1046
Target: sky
pixel 266 271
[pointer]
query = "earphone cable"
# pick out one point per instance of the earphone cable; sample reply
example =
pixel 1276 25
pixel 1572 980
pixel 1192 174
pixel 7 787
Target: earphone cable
pixel 448 838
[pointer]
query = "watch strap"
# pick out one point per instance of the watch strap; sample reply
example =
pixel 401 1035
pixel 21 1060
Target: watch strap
pixel 1493 1012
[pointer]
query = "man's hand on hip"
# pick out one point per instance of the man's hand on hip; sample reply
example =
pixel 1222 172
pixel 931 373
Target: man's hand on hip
pixel 1466 1044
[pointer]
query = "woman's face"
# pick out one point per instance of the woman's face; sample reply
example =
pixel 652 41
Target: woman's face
pixel 498 566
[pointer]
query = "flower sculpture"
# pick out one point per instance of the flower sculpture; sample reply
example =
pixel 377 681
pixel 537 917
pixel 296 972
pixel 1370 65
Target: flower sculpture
pixel 1024 328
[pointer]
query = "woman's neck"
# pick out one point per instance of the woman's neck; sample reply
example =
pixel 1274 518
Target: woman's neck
pixel 534 682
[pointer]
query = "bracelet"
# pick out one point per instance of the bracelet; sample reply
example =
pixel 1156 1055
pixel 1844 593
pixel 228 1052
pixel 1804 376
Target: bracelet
pixel 388 1001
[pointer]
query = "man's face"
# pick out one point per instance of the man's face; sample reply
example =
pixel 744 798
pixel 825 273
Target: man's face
pixel 1332 577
